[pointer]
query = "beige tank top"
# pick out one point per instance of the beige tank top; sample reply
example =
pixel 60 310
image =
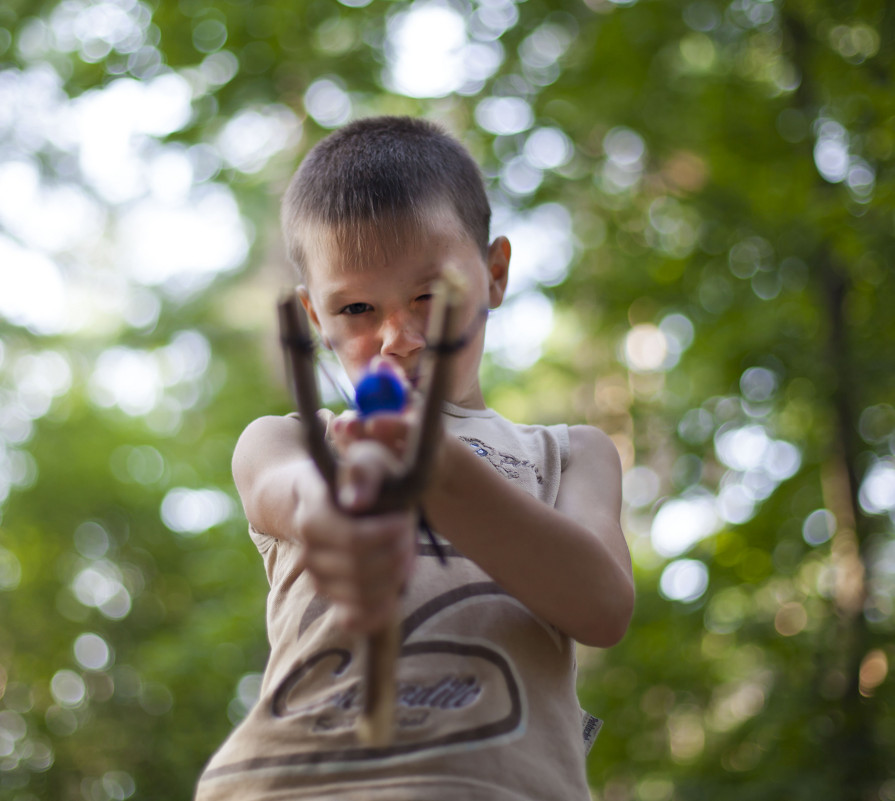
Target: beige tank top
pixel 486 704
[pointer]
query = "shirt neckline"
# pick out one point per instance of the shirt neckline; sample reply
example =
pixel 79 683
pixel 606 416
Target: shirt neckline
pixel 460 411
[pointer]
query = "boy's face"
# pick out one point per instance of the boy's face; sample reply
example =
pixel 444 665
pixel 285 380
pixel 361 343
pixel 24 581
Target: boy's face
pixel 376 303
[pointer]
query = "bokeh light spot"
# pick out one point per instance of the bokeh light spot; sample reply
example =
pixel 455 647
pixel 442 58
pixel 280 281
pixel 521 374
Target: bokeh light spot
pixel 209 35
pixel 819 527
pixel 425 48
pixel 92 652
pixel 640 486
pixel 10 570
pixel 504 115
pixel 791 619
pixel 645 348
pixel 877 493
pixel 682 522
pixel 517 330
pixel 253 136
pixel 191 512
pixel 758 384
pixel 328 103
pixel 684 580
pixel 873 672
pixel 100 585
pixel 548 148
pixel 92 540
pixel 68 688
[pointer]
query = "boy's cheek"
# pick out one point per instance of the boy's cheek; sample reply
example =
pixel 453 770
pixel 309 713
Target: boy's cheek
pixel 354 352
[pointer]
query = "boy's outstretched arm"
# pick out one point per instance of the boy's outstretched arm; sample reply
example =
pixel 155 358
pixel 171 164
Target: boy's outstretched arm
pixel 569 564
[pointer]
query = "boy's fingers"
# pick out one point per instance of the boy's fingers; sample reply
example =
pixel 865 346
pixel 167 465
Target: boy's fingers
pixel 380 568
pixel 348 592
pixel 369 551
pixel 392 430
pixel 345 429
pixel 359 562
pixel 361 473
pixel 360 535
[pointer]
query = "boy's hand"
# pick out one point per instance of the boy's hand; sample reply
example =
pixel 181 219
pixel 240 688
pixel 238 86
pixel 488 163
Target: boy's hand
pixel 390 428
pixel 359 562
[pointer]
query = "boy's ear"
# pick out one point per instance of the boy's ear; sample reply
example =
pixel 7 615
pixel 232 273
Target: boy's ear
pixel 498 270
pixel 305 297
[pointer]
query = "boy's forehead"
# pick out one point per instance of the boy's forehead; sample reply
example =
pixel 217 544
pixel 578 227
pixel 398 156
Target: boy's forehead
pixel 354 246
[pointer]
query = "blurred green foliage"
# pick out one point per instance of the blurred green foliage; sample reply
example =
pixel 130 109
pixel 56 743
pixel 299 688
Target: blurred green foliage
pixel 726 316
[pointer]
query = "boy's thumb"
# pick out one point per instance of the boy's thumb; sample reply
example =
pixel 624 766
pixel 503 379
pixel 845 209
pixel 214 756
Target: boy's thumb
pixel 361 474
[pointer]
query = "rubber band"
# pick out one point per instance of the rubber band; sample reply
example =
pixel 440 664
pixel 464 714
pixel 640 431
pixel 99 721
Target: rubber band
pixel 301 344
pixel 433 540
pixel 449 348
pixel 335 384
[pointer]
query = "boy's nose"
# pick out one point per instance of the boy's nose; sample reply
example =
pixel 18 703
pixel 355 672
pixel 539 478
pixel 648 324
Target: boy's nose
pixel 402 336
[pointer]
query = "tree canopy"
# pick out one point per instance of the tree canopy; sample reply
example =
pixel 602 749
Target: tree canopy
pixel 699 194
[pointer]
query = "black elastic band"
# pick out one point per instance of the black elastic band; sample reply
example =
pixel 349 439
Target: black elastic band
pixel 302 344
pixel 433 540
pixel 448 348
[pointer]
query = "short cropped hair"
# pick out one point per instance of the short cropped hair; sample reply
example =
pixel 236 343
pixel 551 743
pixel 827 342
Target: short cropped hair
pixel 389 171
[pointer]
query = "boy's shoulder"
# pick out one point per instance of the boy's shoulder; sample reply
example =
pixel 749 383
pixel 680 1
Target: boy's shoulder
pixel 591 488
pixel 592 448
pixel 592 437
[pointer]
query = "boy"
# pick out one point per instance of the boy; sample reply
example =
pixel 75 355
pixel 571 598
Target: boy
pixel 528 518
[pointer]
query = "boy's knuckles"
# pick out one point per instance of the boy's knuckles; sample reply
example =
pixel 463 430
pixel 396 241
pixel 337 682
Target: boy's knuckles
pixel 388 428
pixel 372 456
pixel 327 565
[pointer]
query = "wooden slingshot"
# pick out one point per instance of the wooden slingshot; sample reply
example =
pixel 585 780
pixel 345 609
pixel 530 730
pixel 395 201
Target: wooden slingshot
pixel 399 492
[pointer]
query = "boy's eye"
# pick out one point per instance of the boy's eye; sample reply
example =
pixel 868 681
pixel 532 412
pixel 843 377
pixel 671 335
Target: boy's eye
pixel 355 308
pixel 424 297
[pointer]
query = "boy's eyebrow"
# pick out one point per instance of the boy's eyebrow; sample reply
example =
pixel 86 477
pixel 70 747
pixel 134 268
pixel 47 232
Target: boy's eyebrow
pixel 432 274
pixel 341 297
pixel 350 292
pixel 333 301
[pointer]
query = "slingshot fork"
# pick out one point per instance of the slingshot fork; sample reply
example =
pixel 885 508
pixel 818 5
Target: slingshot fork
pixel 377 721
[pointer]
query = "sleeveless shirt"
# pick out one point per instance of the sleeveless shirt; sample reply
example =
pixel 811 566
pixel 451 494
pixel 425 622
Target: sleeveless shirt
pixel 486 705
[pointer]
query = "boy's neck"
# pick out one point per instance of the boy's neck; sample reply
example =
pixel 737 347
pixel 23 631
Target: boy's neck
pixel 471 398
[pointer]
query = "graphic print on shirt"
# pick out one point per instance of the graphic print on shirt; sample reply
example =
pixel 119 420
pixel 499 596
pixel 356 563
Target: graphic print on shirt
pixel 505 463
pixel 446 675
pixel 453 691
